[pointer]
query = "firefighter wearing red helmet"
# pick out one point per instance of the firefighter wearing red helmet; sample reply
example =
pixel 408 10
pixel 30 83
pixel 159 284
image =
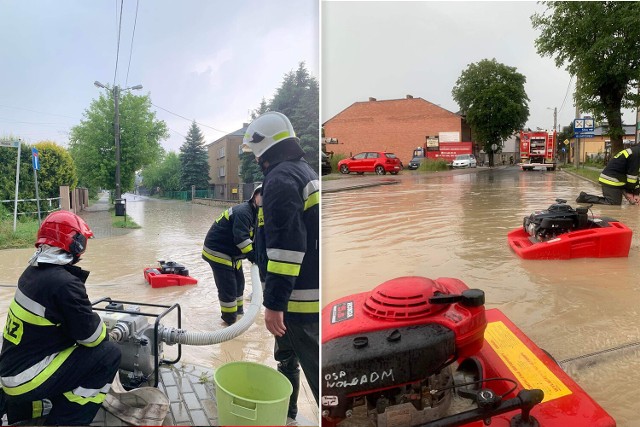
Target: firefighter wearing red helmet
pixel 56 360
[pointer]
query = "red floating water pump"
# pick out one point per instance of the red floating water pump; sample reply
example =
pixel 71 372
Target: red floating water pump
pixel 409 351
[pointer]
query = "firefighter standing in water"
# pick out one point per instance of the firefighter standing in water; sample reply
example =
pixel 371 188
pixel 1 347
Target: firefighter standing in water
pixel 56 360
pixel 290 208
pixel 228 242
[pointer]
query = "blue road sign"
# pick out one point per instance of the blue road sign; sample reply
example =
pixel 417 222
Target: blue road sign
pixel 35 158
pixel 583 125
pixel 584 135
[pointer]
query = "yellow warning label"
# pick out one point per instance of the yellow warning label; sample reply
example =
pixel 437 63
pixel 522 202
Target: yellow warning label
pixel 525 366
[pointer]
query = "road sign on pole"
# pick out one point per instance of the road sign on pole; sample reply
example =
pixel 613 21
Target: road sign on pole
pixel 35 157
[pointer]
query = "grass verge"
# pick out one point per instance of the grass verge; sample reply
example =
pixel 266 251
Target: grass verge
pixel 23 237
pixel 590 174
pixel 122 222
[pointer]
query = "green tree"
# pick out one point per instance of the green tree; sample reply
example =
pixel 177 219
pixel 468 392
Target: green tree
pixel 298 97
pixel 56 169
pixel 249 169
pixel 598 42
pixel 92 145
pixel 164 175
pixel 492 97
pixel 194 160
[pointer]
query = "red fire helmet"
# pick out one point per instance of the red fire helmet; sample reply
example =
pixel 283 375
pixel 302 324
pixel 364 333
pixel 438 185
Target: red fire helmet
pixel 64 230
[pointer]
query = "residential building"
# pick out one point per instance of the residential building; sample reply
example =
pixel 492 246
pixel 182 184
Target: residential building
pixel 600 144
pixel 396 125
pixel 224 165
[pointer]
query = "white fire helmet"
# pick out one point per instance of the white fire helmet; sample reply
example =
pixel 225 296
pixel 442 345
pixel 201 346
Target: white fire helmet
pixel 266 131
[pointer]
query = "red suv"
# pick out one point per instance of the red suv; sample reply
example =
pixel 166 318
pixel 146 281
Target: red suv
pixel 379 162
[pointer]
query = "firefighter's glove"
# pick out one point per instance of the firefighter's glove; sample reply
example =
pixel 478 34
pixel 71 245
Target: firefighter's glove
pixel 251 256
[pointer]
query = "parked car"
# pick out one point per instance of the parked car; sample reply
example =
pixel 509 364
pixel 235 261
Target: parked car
pixel 326 163
pixel 465 161
pixel 379 162
pixel 415 162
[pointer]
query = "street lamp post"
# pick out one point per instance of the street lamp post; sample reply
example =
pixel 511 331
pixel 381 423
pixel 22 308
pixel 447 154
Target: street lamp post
pixel 116 128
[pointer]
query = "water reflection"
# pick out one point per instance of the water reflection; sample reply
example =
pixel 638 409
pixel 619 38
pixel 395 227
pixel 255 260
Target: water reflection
pixel 455 225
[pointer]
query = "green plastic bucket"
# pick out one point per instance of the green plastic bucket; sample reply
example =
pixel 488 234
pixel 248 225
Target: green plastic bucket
pixel 250 394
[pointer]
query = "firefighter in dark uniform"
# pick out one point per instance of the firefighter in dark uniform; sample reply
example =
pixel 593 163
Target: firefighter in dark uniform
pixel 291 205
pixel 228 242
pixel 56 360
pixel 618 179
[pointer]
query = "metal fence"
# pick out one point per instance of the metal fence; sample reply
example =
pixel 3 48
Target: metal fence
pixel 29 207
pixel 186 195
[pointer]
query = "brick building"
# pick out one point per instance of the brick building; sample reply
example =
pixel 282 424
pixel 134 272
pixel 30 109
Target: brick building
pixel 224 165
pixel 395 125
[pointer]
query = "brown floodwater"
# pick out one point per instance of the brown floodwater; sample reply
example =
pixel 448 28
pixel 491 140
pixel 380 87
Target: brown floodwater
pixel 455 225
pixel 170 230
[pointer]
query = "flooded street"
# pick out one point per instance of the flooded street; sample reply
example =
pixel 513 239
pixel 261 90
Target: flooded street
pixel 455 224
pixel 171 230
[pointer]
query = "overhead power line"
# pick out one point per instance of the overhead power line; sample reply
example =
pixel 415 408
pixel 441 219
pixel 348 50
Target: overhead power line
pixel 115 73
pixel 190 120
pixel 135 20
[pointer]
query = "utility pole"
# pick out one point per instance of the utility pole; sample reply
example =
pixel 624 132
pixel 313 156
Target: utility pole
pixel 116 131
pixel 555 119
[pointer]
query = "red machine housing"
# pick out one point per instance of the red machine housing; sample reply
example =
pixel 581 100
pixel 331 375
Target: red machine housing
pixel 162 280
pixel 392 348
pixel 609 240
pixel 394 335
pixel 509 353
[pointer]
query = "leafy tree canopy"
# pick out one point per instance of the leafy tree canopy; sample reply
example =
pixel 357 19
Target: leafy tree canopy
pixel 598 42
pixel 492 97
pixel 56 169
pixel 194 160
pixel 92 142
pixel 298 97
pixel 164 175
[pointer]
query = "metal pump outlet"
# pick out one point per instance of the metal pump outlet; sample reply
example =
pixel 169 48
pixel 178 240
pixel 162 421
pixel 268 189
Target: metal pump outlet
pixel 141 341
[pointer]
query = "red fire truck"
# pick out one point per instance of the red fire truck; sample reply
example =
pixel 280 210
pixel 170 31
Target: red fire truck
pixel 537 149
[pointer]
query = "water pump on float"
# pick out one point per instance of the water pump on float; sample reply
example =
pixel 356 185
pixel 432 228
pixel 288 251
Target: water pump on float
pixel 141 341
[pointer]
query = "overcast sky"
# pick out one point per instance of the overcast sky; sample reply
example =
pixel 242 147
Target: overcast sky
pixel 387 50
pixel 209 61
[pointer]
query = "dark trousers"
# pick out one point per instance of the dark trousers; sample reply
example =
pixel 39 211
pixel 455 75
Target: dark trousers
pixel 610 196
pixel 298 347
pixel 230 284
pixel 87 367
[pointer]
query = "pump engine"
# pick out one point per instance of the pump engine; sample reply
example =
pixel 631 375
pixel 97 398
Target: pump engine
pixel 558 219
pixel 141 342
pixel 384 351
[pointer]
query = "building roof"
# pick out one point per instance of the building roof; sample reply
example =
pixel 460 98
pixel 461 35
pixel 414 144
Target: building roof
pixel 390 103
pixel 239 132
pixel 603 130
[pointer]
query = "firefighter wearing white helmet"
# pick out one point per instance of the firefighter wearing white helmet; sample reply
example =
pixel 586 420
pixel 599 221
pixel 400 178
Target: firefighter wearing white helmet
pixel 291 218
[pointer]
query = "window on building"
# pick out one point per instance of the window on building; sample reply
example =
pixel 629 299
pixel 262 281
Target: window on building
pixel 221 152
pixel 239 169
pixel 221 172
